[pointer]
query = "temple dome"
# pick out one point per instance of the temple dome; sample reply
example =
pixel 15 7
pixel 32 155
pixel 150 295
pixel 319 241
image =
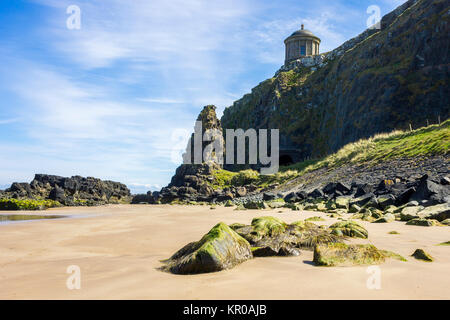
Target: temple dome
pixel 302 43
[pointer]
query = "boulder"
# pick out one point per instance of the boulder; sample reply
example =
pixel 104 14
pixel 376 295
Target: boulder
pixel 291 197
pixel 439 212
pixel 255 205
pixel 404 197
pixel 421 254
pixel 362 200
pixel 336 187
pixel 409 213
pixel 241 191
pixel 349 229
pixel 445 181
pixel 430 190
pixel 143 198
pixel 316 194
pixel 423 222
pixel 341 254
pixel 342 202
pixel 354 208
pixel 221 248
pixel 386 201
pixel 388 217
pixel 268 196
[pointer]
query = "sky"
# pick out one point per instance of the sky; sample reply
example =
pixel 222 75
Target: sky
pixel 117 98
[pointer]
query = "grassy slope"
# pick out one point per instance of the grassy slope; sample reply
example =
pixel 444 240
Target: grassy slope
pixel 423 142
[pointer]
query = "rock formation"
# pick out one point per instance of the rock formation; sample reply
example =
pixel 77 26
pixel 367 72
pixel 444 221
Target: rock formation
pixel 69 191
pixel 379 81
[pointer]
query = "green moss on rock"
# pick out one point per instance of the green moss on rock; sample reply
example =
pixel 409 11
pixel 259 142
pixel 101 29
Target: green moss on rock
pixel 341 254
pixel 349 229
pixel 221 248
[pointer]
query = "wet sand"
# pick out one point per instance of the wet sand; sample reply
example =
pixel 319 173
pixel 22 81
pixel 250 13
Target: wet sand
pixel 119 248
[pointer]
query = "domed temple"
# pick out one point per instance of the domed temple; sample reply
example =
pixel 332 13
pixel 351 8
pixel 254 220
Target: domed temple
pixel 302 43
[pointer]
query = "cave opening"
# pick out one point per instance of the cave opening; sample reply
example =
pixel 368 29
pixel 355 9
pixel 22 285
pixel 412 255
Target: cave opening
pixel 286 160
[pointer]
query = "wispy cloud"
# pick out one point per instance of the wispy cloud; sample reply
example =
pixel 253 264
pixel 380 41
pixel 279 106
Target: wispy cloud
pixel 8 121
pixel 105 100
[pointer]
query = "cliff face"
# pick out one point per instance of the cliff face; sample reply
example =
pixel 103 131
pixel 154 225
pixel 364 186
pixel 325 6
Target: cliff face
pixel 379 81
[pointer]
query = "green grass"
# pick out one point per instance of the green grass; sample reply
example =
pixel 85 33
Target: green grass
pixel 27 204
pixel 426 141
pixel 423 142
pixel 444 243
pixel 222 179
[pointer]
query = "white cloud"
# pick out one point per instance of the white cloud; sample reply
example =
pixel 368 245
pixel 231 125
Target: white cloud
pixel 8 121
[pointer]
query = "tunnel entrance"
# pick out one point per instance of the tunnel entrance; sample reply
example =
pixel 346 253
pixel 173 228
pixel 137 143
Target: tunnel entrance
pixel 286 160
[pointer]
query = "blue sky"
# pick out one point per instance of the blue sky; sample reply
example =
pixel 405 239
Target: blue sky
pixel 110 99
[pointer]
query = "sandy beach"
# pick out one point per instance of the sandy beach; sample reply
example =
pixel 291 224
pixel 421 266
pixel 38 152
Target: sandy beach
pixel 118 249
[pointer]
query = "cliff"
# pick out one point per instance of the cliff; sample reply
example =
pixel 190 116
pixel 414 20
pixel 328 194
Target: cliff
pixel 379 81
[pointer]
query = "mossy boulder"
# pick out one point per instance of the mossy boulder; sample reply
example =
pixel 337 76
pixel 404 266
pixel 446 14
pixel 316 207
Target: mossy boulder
pixel 354 208
pixel 385 201
pixel 256 205
pixel 341 254
pixel 269 236
pixel 342 202
pixel 388 217
pixel 446 222
pixel 268 226
pixel 349 229
pixel 229 203
pixel 439 212
pixel 420 254
pixel 391 209
pixel 221 248
pixel 423 222
pixel 409 213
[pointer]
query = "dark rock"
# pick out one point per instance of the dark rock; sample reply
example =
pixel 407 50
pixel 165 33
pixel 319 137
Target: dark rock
pixel 291 197
pixel 70 191
pixel 362 190
pixel 405 196
pixel 267 196
pixel 58 194
pixel 386 201
pixel 429 190
pixel 143 198
pixel 362 200
pixel 445 181
pixel 336 187
pixel 316 193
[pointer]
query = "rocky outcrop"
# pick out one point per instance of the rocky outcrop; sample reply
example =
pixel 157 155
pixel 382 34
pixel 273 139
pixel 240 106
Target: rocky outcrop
pixel 221 248
pixel 71 191
pixel 389 183
pixel 193 181
pixel 322 103
pixel 224 247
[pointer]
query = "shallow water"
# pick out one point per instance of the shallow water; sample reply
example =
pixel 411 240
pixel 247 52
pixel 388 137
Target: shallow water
pixel 8 218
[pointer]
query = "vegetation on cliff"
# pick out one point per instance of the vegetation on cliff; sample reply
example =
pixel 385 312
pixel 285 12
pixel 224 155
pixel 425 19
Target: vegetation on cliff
pixel 379 81
pixel 433 140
